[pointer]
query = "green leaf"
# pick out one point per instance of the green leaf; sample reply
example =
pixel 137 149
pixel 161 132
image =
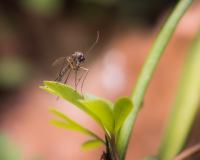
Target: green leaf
pixel 63 91
pixel 88 97
pixel 147 73
pixel 122 108
pixel 66 92
pixel 90 144
pixel 69 94
pixel 71 124
pixel 102 113
pixel 186 106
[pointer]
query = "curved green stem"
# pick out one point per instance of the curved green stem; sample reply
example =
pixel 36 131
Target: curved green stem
pixel 185 107
pixel 147 73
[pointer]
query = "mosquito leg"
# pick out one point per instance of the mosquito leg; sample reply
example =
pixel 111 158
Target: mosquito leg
pixel 80 78
pixel 75 82
pixel 59 77
pixel 86 73
pixel 67 76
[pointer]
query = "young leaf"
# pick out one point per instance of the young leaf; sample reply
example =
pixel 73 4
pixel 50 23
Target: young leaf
pixel 72 125
pixel 70 95
pixel 66 125
pixel 122 108
pixel 63 91
pixel 102 113
pixel 90 144
pixel 66 92
pixel 89 97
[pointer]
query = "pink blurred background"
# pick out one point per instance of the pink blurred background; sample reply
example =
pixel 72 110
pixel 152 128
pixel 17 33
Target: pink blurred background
pixel 34 33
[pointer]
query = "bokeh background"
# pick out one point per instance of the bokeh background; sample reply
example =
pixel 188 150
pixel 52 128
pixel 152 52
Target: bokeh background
pixel 33 33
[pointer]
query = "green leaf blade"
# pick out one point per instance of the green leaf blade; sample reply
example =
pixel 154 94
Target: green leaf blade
pixel 64 91
pixel 101 112
pixel 122 108
pixel 147 72
pixel 67 123
pixel 186 106
pixel 70 124
pixel 69 94
pixel 91 144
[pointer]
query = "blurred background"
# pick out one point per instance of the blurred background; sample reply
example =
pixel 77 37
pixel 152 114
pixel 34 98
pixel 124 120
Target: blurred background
pixel 33 33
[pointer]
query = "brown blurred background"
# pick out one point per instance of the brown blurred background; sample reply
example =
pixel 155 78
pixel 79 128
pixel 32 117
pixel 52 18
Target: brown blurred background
pixel 35 32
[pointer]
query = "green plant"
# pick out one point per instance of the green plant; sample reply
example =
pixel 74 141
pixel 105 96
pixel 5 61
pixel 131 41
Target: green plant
pixel 108 115
pixel 185 107
pixel 147 72
pixel 117 120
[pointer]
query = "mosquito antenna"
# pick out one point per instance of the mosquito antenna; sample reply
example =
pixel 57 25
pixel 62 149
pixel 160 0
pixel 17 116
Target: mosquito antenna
pixel 94 43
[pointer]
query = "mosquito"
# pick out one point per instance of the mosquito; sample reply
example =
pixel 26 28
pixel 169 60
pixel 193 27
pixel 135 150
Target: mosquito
pixel 73 63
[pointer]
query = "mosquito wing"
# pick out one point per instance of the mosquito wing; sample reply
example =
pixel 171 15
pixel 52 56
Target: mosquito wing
pixel 58 61
pixel 62 73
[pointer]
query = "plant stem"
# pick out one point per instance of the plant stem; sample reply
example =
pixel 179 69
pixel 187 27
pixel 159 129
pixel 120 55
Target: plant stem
pixel 147 73
pixel 111 148
pixel 186 106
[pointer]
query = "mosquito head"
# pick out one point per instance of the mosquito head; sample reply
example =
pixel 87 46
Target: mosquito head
pixel 79 57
